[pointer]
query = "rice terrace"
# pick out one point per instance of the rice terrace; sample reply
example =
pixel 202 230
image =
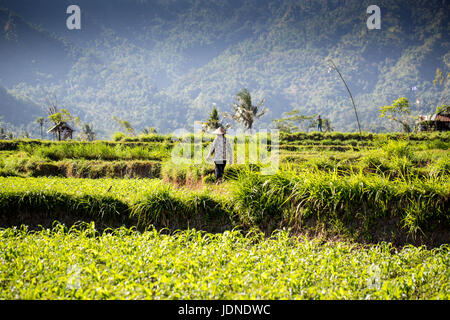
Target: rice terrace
pixel 223 150
pixel 345 217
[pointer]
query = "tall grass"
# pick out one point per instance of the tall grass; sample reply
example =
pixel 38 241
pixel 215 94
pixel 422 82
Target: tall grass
pixel 95 151
pixel 179 209
pixel 153 137
pixel 288 198
pixel 400 159
pixel 79 168
pixel 142 202
pixel 185 174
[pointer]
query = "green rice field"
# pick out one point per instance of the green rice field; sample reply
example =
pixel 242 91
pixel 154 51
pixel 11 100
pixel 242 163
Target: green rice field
pixel 345 217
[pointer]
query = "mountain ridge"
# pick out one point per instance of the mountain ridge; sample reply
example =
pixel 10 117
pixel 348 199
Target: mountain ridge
pixel 165 63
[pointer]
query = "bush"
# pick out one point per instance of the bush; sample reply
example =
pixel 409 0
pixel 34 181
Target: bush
pixel 157 207
pixel 118 136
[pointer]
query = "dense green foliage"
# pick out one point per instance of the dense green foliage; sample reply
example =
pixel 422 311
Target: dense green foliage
pixel 356 204
pixel 328 197
pixel 96 151
pixel 393 155
pixel 167 67
pixel 351 208
pixel 80 263
pixel 142 202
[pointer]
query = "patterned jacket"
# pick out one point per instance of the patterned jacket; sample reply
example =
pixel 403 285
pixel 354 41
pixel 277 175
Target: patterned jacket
pixel 222 150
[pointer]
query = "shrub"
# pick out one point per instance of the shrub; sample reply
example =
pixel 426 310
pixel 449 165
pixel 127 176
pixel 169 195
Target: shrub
pixel 118 136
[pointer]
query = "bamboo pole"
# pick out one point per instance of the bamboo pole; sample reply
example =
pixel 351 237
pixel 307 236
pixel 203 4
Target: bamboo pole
pixel 351 97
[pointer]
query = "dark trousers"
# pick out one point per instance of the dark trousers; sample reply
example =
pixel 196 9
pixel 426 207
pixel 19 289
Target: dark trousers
pixel 220 167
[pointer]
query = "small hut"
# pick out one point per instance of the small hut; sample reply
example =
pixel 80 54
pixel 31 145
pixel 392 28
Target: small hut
pixel 62 131
pixel 437 122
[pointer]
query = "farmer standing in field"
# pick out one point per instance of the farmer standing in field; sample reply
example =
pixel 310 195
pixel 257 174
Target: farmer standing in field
pixel 319 123
pixel 222 152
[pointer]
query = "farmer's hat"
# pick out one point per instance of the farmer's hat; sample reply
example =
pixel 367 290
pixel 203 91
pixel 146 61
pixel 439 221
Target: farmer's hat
pixel 219 130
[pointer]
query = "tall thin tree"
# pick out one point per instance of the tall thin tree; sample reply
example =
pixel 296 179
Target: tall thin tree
pixel 41 121
pixel 334 67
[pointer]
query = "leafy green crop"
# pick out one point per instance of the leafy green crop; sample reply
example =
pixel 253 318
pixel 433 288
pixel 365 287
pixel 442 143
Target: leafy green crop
pixel 80 263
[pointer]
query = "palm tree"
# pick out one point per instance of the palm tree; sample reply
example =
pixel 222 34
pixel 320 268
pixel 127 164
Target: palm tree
pixel 149 130
pixel 2 133
pixel 87 132
pixel 327 125
pixel 244 111
pixel 126 125
pixel 41 122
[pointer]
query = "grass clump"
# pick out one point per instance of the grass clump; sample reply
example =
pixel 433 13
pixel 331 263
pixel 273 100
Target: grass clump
pixel 288 199
pixel 142 203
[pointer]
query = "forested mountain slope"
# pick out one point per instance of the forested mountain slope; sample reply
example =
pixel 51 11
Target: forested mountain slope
pixel 164 63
